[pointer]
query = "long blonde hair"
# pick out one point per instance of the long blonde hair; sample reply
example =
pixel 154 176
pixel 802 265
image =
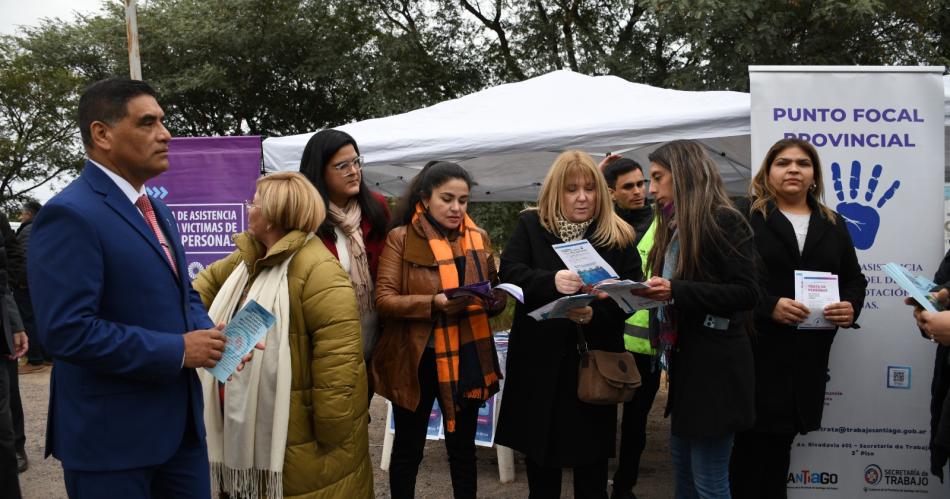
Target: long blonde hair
pixel 762 193
pixel 609 229
pixel 699 196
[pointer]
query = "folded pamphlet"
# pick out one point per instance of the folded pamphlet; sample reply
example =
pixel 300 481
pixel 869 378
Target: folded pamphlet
pixel 483 291
pixel 557 309
pixel 515 291
pixel 619 291
pixel 478 290
pixel 246 329
pixel 582 258
pixel 816 290
pixel 917 287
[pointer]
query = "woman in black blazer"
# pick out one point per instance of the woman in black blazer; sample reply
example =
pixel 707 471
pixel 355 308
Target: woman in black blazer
pixel 703 259
pixel 541 415
pixel 793 230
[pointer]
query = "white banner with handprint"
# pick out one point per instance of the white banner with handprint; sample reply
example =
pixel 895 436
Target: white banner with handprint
pixel 879 134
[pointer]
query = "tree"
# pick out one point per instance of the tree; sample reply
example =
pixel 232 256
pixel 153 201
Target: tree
pixel 38 134
pixel 730 35
pixel 278 67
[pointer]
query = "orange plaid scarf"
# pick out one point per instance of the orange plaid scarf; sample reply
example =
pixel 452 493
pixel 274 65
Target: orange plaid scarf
pixel 465 358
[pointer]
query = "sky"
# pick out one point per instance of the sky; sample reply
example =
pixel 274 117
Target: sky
pixel 14 13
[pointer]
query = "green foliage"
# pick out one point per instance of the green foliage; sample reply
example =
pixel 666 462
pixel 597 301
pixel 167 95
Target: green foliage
pixel 38 138
pixel 503 321
pixel 498 219
pixel 278 67
pixel 724 37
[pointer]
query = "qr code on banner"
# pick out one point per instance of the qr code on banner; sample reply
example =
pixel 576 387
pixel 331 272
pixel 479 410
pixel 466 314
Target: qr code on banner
pixel 898 377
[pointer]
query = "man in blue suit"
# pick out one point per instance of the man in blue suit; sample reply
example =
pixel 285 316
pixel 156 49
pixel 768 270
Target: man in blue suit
pixel 116 311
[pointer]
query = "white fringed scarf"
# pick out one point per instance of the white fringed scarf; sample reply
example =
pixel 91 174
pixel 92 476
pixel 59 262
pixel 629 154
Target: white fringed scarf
pixel 246 443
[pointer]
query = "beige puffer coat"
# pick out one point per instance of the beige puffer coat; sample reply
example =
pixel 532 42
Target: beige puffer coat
pixel 327 452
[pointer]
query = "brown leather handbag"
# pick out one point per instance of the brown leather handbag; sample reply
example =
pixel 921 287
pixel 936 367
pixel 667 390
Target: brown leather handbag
pixel 605 378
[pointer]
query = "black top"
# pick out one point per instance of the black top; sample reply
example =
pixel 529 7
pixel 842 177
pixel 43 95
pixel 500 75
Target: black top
pixel 10 320
pixel 541 415
pixel 639 218
pixel 939 389
pixel 791 365
pixel 711 372
pixel 16 254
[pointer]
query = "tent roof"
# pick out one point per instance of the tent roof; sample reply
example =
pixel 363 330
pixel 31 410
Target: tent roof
pixel 509 135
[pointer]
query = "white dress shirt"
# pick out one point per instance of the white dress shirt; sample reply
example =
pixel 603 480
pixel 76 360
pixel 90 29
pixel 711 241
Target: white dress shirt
pixel 123 185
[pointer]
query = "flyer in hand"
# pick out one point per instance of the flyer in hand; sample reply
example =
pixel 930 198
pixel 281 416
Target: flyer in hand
pixel 619 291
pixel 816 290
pixel 483 291
pixel 557 309
pixel 246 329
pixel 582 258
pixel 478 290
pixel 917 287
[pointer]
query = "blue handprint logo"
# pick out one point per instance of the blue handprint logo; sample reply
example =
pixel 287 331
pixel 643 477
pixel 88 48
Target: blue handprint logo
pixel 863 221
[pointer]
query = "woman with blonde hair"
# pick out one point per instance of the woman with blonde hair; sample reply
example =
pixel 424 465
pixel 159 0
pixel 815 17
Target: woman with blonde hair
pixel 703 263
pixel 794 230
pixel 292 423
pixel 541 414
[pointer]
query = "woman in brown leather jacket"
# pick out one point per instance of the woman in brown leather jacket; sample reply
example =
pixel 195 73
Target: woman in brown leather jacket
pixel 433 347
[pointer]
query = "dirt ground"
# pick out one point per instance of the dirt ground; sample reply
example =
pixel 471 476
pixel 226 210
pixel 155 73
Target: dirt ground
pixel 44 479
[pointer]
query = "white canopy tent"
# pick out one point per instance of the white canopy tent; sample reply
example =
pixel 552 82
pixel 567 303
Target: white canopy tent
pixel 508 136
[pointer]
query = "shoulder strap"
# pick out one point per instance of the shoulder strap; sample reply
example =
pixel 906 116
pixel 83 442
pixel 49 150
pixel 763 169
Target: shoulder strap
pixel 581 341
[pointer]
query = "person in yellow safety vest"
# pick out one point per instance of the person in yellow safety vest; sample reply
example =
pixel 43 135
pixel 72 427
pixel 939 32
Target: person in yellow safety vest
pixel 636 333
pixel 628 187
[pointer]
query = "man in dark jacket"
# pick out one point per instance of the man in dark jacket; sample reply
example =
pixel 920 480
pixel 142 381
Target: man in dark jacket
pixel 37 359
pixel 939 389
pixel 628 187
pixel 27 213
pixel 13 344
pixel 16 273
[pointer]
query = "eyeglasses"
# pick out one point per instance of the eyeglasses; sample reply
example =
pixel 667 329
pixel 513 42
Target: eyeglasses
pixel 249 204
pixel 356 163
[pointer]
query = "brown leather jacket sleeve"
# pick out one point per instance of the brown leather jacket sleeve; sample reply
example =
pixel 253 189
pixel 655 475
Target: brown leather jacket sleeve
pixel 390 300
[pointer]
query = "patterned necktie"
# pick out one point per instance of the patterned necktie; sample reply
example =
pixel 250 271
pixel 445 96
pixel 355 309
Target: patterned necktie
pixel 145 206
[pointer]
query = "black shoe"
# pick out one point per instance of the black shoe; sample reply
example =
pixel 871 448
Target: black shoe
pixel 22 463
pixel 622 494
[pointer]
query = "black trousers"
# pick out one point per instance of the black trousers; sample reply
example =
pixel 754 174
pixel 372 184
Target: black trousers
pixel 410 440
pixel 759 467
pixel 633 427
pixel 590 482
pixel 16 404
pixel 9 482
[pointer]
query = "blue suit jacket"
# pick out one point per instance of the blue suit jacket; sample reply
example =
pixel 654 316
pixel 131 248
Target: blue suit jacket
pixel 112 314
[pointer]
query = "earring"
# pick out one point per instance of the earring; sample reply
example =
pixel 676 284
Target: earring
pixel 813 187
